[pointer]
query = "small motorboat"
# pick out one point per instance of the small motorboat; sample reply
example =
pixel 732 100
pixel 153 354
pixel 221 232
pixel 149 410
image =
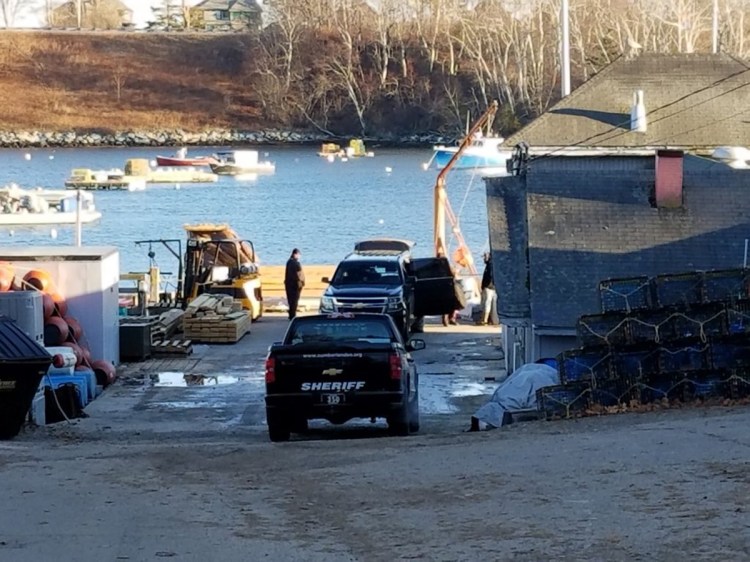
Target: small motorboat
pixel 356 149
pixel 330 149
pixel 102 180
pixel 483 152
pixel 181 158
pixel 240 162
pixel 41 207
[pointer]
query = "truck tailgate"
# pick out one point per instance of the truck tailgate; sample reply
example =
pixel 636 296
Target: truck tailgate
pixel 361 369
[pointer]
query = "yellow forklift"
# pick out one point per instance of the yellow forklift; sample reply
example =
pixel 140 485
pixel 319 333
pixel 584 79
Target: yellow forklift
pixel 218 261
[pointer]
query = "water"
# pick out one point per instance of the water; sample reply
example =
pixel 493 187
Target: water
pixel 310 203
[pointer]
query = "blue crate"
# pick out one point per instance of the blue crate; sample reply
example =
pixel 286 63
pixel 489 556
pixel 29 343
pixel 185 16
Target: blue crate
pixel 634 363
pixel 738 383
pixel 682 289
pixel 678 357
pixel 80 381
pixel 729 285
pixel 614 392
pixel 584 365
pixel 703 322
pixel 650 326
pixel 562 401
pixel 738 318
pixel 730 353
pixel 656 387
pixel 610 329
pixel 625 295
pixel 709 384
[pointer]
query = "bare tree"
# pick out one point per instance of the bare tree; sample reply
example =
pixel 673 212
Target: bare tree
pixel 118 80
pixel 9 10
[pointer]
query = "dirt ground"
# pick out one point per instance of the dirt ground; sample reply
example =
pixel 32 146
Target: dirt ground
pixel 164 470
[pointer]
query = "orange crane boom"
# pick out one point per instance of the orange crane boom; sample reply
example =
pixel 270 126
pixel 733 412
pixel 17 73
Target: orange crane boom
pixel 442 205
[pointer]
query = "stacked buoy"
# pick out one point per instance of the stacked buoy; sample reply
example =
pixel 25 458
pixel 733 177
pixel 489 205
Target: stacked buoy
pixel 60 328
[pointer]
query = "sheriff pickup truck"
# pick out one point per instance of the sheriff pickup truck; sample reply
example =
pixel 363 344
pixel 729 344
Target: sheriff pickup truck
pixel 338 367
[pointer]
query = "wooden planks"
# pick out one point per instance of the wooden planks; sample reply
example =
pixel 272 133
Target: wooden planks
pixel 172 347
pixel 215 319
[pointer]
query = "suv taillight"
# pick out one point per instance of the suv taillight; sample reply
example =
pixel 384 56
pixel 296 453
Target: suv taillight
pixel 270 370
pixel 396 369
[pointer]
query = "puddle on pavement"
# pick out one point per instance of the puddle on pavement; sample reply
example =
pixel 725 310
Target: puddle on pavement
pixel 177 379
pixel 437 394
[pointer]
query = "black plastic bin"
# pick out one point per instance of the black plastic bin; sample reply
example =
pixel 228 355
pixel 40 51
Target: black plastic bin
pixel 23 363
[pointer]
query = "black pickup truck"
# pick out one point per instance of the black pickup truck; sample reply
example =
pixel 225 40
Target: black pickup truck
pixel 338 367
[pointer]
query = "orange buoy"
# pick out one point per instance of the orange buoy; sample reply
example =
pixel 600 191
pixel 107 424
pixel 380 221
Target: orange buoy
pixel 48 305
pixel 86 354
pixel 104 371
pixel 7 275
pixel 76 332
pixel 61 305
pixel 76 349
pixel 56 331
pixel 39 279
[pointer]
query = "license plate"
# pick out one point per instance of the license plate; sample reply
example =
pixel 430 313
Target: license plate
pixel 332 399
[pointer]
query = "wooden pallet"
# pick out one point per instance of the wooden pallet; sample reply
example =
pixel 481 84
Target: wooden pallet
pixel 172 347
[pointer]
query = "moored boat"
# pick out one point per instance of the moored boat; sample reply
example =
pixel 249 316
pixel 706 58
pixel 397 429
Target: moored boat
pixel 483 152
pixel 84 178
pixel 41 207
pixel 240 162
pixel 180 158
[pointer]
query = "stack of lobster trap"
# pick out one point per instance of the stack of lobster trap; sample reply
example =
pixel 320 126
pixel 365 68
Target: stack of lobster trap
pixel 668 338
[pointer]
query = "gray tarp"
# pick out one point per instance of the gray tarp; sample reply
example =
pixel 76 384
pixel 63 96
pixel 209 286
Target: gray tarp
pixel 516 393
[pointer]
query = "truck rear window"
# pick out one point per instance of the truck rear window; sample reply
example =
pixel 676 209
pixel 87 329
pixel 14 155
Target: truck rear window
pixel 367 273
pixel 339 330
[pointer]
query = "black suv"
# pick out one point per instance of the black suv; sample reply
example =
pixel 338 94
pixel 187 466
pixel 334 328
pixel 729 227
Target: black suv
pixel 380 276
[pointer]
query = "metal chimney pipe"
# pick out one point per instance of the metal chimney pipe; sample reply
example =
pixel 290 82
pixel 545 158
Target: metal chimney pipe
pixel 565 47
pixel 715 28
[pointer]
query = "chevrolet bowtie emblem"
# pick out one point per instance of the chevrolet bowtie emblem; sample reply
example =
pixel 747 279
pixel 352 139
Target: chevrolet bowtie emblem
pixel 333 372
pixel 359 305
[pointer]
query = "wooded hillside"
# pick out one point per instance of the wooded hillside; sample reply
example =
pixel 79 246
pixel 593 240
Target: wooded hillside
pixel 414 66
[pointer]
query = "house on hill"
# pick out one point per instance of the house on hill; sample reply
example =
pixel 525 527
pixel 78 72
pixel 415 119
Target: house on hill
pixel 95 14
pixel 611 190
pixel 230 15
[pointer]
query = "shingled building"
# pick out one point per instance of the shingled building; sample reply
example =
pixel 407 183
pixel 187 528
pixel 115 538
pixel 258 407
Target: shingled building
pixel 640 198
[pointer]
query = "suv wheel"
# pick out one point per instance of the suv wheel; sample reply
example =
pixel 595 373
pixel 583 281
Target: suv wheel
pixel 414 414
pixel 278 428
pixel 398 421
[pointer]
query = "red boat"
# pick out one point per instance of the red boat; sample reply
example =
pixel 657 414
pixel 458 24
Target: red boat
pixel 181 159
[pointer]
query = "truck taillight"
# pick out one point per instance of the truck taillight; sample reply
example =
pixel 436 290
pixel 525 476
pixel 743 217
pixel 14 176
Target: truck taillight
pixel 396 368
pixel 270 370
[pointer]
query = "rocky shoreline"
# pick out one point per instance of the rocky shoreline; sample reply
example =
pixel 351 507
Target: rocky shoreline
pixel 73 139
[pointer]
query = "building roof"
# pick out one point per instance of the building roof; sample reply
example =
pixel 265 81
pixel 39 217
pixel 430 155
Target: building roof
pixel 692 101
pixel 232 5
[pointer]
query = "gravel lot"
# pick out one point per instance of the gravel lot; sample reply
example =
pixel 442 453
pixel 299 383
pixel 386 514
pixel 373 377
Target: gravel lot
pixel 187 473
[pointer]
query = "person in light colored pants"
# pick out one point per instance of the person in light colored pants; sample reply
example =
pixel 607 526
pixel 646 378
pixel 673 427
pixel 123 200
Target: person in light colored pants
pixel 489 306
pixel 489 294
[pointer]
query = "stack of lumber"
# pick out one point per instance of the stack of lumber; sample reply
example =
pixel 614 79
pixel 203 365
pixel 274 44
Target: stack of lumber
pixel 168 324
pixel 215 319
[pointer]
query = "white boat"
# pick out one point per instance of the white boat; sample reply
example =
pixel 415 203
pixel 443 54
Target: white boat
pixel 240 162
pixel 39 207
pixel 483 152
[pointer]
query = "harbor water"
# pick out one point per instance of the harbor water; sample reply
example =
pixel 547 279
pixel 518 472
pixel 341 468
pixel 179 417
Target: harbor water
pixel 318 206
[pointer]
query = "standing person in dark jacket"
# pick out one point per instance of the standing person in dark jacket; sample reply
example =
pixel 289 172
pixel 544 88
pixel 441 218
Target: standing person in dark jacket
pixel 489 294
pixel 294 281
